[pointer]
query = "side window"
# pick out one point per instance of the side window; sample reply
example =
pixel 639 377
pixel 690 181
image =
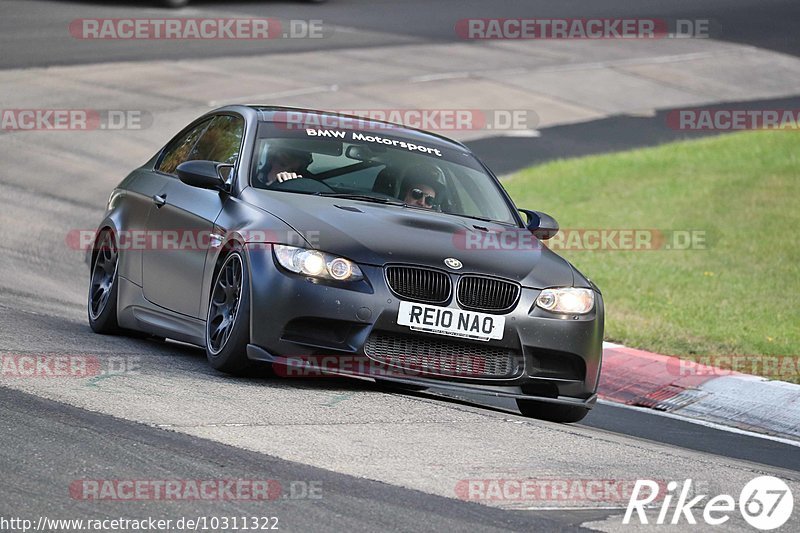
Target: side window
pixel 218 139
pixel 179 150
pixel 221 141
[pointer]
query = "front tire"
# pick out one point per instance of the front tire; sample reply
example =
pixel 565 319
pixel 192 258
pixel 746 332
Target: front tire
pixel 552 412
pixel 104 286
pixel 228 318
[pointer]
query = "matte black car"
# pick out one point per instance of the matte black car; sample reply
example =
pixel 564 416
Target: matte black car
pixel 310 240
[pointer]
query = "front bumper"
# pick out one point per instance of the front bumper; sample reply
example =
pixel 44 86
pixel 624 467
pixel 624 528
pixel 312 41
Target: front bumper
pixel 297 318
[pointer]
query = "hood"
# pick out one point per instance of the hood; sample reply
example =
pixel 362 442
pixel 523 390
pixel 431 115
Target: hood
pixel 377 234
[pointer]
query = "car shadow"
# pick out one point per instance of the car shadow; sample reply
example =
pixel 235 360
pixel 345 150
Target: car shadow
pixel 261 374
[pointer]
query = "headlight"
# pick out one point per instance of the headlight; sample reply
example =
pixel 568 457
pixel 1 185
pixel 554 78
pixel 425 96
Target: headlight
pixel 316 264
pixel 569 300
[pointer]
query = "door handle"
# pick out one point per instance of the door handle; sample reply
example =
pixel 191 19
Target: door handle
pixel 160 199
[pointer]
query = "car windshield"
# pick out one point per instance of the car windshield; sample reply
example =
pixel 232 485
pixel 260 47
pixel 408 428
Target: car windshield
pixel 377 166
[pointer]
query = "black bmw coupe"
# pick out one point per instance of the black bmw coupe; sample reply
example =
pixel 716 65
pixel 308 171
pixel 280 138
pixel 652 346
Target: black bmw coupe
pixel 303 239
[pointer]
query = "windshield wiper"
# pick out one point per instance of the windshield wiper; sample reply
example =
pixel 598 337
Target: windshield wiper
pixel 484 219
pixel 363 197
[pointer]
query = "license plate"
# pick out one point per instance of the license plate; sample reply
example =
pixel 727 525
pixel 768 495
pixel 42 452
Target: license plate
pixel 452 322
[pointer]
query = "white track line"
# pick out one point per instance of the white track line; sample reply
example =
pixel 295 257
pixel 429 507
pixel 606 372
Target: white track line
pixel 712 425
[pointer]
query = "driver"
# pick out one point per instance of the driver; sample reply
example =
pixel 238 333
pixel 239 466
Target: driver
pixel 284 164
pixel 421 186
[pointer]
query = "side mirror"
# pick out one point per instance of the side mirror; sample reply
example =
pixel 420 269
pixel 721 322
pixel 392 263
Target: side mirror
pixel 204 174
pixel 541 224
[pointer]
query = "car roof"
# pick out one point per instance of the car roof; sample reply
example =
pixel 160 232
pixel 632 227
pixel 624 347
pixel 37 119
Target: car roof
pixel 268 113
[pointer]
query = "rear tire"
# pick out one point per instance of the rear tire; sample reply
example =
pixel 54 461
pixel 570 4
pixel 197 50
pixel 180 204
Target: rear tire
pixel 552 412
pixel 228 317
pixel 104 285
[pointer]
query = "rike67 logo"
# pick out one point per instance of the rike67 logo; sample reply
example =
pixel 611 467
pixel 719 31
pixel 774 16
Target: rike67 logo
pixel 765 503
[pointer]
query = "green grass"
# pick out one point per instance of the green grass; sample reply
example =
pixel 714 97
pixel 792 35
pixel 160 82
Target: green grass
pixel 740 295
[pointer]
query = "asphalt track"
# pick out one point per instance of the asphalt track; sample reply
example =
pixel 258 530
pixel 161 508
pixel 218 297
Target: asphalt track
pixel 385 460
pixel 74 441
pixel 767 24
pixel 349 431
